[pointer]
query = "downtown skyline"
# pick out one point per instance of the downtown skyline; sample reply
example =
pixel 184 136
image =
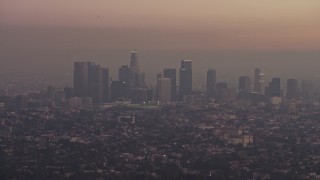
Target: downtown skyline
pixel 281 37
pixel 93 81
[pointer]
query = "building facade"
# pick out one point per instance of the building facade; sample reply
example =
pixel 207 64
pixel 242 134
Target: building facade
pixel 244 86
pixel 185 78
pixel 172 75
pixel 211 82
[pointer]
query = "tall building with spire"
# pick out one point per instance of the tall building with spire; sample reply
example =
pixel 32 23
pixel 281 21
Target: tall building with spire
pixel 134 63
pixel 137 79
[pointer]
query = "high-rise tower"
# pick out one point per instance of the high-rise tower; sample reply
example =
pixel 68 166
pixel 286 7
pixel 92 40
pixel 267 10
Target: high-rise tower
pixel 185 78
pixel 211 82
pixel 81 79
pixel 274 89
pixel 134 63
pixel 106 85
pixel 96 83
pixel 258 81
pixel 136 77
pixel 164 89
pixel 292 88
pixel 307 89
pixel 244 86
pixel 91 80
pixel 172 74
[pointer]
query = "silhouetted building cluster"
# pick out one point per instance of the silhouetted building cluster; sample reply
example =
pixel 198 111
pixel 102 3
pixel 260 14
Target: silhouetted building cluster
pixel 92 86
pixel 91 80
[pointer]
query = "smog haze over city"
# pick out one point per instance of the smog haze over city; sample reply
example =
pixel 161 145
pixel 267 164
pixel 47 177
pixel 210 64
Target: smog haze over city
pixel 280 36
pixel 140 89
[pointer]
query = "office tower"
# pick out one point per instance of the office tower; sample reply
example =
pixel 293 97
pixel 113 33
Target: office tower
pixel 244 86
pixel 124 74
pixel 106 84
pixel 258 81
pixel 159 75
pixel 134 63
pixel 172 74
pixel 211 82
pixel 292 88
pixel 164 89
pixel 307 89
pixel 91 80
pixel 141 80
pixel 80 79
pixel 95 83
pixel 119 90
pixel 185 78
pixel 186 64
pixel 222 91
pixel 135 76
pixel 274 90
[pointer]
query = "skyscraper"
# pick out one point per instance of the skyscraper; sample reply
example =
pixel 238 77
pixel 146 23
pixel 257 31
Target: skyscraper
pixel 106 84
pixel 172 74
pixel 244 86
pixel 222 91
pixel 164 89
pixel 141 80
pixel 135 76
pixel 211 82
pixel 258 81
pixel 274 89
pixel 91 80
pixel 81 79
pixel 292 88
pixel 95 83
pixel 185 78
pixel 134 63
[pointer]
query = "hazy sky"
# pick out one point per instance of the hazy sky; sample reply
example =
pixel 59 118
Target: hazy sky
pixel 236 24
pixel 40 33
